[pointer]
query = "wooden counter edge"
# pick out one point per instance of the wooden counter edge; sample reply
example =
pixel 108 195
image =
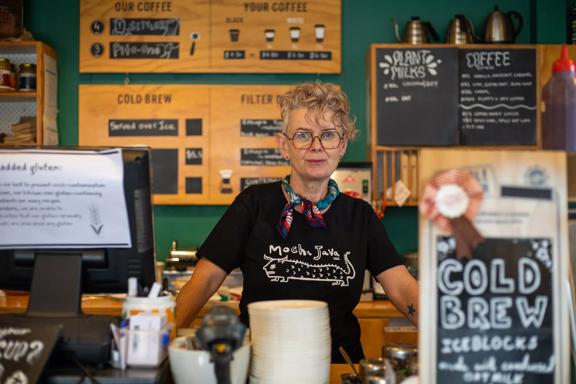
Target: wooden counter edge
pixel 103 305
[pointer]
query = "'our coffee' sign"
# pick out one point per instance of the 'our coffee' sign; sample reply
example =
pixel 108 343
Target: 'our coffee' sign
pixel 24 349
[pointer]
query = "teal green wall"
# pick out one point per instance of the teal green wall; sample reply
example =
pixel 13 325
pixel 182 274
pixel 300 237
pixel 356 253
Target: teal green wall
pixel 364 22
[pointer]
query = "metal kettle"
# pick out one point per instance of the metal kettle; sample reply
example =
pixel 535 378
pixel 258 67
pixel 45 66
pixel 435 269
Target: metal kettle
pixel 500 26
pixel 416 31
pixel 460 31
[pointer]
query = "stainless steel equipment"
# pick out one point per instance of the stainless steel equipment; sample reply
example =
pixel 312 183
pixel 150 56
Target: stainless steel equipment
pixel 460 31
pixel 416 31
pixel 500 26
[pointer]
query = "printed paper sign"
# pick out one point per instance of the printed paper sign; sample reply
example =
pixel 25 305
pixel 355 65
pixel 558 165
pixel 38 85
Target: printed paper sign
pixel 62 198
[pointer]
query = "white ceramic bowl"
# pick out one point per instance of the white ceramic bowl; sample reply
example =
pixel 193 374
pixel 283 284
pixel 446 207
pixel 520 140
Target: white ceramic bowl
pixel 194 367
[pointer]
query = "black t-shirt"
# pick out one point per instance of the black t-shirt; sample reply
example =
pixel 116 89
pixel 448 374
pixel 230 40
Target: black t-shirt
pixel 313 263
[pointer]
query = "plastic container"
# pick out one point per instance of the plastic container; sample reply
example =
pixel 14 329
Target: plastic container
pixel 559 105
pixel 157 305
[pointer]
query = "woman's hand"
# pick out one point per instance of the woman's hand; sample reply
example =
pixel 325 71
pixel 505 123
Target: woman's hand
pixel 205 281
pixel 403 291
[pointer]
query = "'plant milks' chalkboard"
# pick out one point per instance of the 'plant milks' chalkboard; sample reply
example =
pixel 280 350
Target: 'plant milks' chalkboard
pixel 416 96
pixel 495 313
pixel 498 96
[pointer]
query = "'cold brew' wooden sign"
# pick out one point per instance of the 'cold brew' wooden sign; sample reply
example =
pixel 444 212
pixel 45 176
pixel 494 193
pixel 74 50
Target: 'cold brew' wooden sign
pixel 208 141
pixel 210 36
pixel 500 316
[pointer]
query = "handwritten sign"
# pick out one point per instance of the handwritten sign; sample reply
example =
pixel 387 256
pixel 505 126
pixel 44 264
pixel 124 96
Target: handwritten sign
pixel 495 312
pixel 143 127
pixel 431 95
pixel 24 349
pixel 260 127
pixel 415 93
pixel 246 182
pixel 147 50
pixel 498 317
pixel 59 198
pixel 498 89
pixel 261 156
pixel 146 27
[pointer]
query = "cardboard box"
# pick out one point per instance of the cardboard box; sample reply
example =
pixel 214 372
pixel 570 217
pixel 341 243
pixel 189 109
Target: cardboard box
pixel 11 24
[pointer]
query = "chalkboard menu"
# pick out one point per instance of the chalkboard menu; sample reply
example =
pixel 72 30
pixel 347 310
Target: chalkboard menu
pixel 440 96
pixel 495 312
pixel 501 315
pixel 416 92
pixel 25 348
pixel 222 36
pixel 498 96
pixel 208 141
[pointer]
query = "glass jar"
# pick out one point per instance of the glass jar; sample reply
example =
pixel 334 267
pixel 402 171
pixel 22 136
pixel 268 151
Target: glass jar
pixel 27 82
pixel 13 81
pixel 4 75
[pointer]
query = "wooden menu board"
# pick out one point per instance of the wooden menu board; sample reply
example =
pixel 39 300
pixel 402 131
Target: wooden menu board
pixel 501 315
pixel 226 36
pixel 208 141
pixel 432 95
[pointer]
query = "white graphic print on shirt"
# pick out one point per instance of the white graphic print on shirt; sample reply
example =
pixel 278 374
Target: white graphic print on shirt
pixel 283 268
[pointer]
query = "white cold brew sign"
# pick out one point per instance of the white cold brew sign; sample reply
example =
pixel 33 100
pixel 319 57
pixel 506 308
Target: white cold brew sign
pixel 498 317
pixel 495 312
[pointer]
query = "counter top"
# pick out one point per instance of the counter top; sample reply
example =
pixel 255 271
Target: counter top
pixel 111 305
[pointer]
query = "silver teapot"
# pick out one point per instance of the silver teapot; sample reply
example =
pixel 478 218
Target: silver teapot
pixel 500 26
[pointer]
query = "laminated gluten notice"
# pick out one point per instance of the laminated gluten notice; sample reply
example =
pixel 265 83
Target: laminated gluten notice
pixel 499 316
pixel 55 199
pixel 498 95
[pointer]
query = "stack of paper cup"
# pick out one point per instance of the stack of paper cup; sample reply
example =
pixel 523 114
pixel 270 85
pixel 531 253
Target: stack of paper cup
pixel 290 342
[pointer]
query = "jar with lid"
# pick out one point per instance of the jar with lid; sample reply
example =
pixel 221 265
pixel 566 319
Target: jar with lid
pixel 13 80
pixel 4 75
pixel 27 78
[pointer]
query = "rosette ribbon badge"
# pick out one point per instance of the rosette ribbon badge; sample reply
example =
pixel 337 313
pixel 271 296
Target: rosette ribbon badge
pixel 451 200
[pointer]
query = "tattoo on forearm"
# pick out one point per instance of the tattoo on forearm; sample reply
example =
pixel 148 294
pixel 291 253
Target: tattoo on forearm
pixel 411 310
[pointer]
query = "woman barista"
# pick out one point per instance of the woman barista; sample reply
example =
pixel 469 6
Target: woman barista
pixel 301 238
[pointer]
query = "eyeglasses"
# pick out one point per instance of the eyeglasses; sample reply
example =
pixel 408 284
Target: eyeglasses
pixel 329 139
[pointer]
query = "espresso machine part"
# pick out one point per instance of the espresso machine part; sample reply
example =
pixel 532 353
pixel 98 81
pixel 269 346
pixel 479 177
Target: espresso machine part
pixel 404 358
pixel 221 333
pixel 416 31
pixel 460 31
pixel 500 26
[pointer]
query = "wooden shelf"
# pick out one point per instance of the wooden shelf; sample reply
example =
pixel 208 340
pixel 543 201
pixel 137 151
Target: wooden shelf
pixel 16 104
pixel 17 96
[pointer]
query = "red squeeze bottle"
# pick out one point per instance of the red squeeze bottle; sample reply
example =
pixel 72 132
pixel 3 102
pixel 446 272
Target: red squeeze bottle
pixel 559 110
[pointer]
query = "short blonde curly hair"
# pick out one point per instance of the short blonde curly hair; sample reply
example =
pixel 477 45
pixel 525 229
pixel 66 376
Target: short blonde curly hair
pixel 319 98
